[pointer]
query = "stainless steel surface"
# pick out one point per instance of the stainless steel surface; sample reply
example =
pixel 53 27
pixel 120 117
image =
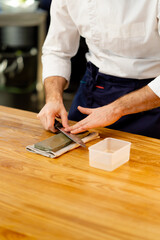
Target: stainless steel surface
pixel 18 37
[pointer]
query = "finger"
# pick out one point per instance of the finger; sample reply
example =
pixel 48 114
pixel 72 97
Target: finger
pixel 64 117
pixel 85 110
pixel 82 125
pixel 50 124
pixel 39 115
pixel 42 119
pixel 81 128
pixel 44 123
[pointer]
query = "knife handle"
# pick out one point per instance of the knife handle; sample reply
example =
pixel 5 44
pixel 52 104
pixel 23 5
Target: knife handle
pixel 57 124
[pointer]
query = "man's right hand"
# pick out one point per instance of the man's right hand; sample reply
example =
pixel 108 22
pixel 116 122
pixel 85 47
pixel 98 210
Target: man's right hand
pixel 54 106
pixel 49 112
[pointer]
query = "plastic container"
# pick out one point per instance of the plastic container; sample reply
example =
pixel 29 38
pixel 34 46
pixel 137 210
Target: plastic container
pixel 109 154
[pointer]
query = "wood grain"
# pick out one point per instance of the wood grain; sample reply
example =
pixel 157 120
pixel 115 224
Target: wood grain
pixel 64 198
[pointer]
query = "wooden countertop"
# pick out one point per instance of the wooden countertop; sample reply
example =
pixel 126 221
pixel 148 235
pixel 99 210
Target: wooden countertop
pixel 64 198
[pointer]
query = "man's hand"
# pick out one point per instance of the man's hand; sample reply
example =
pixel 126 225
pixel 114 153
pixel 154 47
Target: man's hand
pixel 54 106
pixel 49 112
pixel 134 102
pixel 97 117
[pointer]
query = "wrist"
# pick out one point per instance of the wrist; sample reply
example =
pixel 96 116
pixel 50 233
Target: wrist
pixel 54 97
pixel 54 88
pixel 118 108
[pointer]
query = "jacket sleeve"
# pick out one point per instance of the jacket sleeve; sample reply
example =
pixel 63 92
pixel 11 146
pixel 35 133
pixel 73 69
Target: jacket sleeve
pixel 61 43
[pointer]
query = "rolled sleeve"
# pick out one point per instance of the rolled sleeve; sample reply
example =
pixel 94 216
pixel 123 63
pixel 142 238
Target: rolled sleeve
pixel 155 86
pixel 61 43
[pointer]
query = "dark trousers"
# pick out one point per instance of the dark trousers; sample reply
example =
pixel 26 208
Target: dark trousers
pixel 97 89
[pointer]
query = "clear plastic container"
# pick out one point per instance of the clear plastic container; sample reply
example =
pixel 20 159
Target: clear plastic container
pixel 109 154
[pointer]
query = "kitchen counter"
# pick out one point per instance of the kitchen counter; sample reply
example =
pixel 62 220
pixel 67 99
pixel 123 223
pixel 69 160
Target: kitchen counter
pixel 65 198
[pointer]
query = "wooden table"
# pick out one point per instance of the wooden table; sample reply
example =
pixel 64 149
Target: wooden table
pixel 64 198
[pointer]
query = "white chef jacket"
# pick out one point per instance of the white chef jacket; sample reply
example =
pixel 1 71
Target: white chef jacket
pixel 123 37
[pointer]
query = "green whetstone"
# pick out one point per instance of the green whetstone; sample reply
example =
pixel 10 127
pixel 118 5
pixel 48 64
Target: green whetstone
pixel 56 142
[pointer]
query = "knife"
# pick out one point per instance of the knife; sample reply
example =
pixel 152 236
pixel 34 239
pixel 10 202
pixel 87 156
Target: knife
pixel 73 137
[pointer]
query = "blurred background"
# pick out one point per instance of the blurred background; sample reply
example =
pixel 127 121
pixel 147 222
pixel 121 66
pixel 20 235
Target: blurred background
pixel 23 28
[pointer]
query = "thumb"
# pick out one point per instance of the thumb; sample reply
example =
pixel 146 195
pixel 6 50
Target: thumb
pixel 85 110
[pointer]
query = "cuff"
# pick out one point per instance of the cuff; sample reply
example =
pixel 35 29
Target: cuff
pixel 54 66
pixel 155 86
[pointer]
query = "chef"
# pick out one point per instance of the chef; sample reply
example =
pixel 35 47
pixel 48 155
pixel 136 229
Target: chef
pixel 121 85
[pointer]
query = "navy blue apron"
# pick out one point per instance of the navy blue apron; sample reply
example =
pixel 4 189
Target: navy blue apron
pixel 97 89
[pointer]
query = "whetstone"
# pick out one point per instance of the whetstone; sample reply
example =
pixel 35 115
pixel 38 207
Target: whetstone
pixel 56 142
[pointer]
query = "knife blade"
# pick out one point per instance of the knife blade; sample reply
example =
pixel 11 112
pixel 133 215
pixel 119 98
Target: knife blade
pixel 73 137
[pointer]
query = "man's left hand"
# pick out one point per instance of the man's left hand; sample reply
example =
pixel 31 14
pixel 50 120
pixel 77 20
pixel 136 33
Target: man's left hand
pixel 97 117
